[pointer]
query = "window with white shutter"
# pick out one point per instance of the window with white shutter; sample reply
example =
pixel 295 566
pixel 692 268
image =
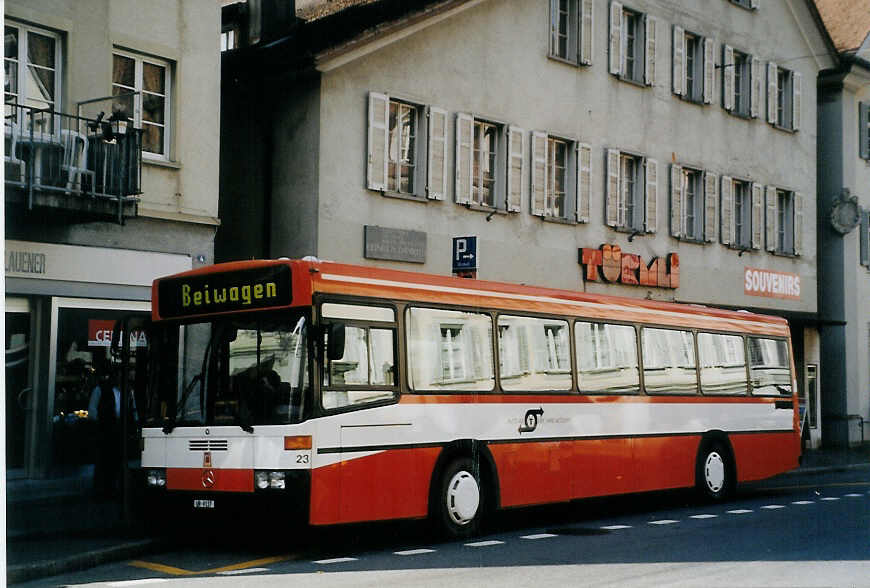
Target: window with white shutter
pixel 571 25
pixel 742 222
pixel 630 192
pixel 406 148
pixel 738 82
pixel 784 222
pixel 694 198
pixel 584 181
pixel 555 177
pixel 632 39
pixel 485 160
pixel 693 66
pixel 757 227
pixel 783 97
pixel 864 130
pixel 516 169
pixel 748 4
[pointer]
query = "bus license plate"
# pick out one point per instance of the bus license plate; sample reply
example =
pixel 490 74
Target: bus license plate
pixel 203 503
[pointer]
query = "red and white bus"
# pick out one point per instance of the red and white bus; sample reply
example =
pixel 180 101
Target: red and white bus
pixel 358 394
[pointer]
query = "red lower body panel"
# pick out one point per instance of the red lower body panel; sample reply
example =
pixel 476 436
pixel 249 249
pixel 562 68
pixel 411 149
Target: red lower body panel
pixel 395 483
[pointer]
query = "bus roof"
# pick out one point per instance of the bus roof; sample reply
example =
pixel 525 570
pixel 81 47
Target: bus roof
pixel 311 277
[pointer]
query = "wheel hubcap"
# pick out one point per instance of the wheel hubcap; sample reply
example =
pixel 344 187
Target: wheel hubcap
pixel 463 498
pixel 714 472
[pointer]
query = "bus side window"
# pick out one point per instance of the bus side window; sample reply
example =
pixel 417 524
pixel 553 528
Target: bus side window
pixel 769 370
pixel 723 363
pixel 669 365
pixel 607 358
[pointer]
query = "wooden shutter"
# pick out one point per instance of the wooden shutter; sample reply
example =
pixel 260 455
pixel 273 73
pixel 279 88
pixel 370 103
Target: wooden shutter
pixel 649 73
pixel 726 212
pixel 709 71
pixel 516 163
pixel 771 92
pixel 616 38
pixel 677 195
pixel 652 194
pixel 757 219
pixel 587 27
pixel 796 78
pixel 756 84
pixel 864 238
pixel 711 198
pixel 612 204
pixel 864 129
pixel 584 181
pixel 554 28
pixel 770 218
pixel 798 224
pixel 728 75
pixel 376 168
pixel 539 173
pixel 436 184
pixel 464 157
pixel 679 53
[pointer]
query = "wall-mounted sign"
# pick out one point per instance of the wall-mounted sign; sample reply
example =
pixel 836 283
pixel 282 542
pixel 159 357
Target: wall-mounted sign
pixel 394 244
pixel 609 264
pixel 464 254
pixel 771 284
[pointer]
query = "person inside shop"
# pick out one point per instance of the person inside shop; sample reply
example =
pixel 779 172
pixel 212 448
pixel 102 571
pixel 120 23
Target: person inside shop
pixel 104 408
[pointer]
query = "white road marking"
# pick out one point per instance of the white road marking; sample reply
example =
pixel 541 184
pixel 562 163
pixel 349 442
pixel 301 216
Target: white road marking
pixel 243 571
pixel 335 560
pixel 539 536
pixel 853 495
pixel 804 502
pixel 141 582
pixel 484 543
pixel 414 552
pixel 739 511
pixel 703 516
pixel 772 506
pixel 616 527
pixel 829 498
pixel 664 522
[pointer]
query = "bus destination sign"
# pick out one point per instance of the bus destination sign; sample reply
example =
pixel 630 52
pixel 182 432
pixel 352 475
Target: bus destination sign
pixel 262 287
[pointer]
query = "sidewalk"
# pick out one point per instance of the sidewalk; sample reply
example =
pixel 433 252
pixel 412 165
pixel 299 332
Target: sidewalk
pixel 56 527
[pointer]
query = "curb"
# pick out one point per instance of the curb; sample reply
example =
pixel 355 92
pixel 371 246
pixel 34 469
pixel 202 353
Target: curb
pixel 24 572
pixel 827 468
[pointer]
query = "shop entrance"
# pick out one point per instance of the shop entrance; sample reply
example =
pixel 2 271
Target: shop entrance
pixel 19 389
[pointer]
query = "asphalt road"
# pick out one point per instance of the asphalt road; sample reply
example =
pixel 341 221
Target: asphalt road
pixel 790 531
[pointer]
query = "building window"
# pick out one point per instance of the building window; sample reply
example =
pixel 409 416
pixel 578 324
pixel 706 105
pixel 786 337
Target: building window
pixel 694 198
pixel 864 239
pixel 783 97
pixel 742 210
pixel 489 164
pixel 560 178
pixel 32 66
pixel 407 148
pixel 693 66
pixel 749 4
pixel 632 44
pixel 742 83
pixel 402 147
pixel 631 192
pixel 141 88
pixel 742 215
pixel 229 39
pixel 571 30
pixel 864 130
pixel 784 221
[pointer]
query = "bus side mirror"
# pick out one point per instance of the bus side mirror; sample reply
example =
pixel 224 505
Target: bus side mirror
pixel 335 341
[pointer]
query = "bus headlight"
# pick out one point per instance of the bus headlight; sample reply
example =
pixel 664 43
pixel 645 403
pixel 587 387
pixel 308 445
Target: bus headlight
pixel 261 480
pixel 156 478
pixel 274 480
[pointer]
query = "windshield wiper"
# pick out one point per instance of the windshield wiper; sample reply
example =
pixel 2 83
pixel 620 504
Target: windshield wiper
pixel 170 426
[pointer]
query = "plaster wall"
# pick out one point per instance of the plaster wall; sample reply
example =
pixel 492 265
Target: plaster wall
pixel 491 60
pixel 183 33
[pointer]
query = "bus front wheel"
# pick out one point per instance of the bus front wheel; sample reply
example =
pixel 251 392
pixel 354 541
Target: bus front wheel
pixel 714 471
pixel 459 499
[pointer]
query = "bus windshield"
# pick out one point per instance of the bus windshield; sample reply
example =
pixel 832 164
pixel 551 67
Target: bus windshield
pixel 245 371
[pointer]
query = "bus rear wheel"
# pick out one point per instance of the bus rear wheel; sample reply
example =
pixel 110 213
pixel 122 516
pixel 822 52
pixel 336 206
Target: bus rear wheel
pixel 714 472
pixel 459 499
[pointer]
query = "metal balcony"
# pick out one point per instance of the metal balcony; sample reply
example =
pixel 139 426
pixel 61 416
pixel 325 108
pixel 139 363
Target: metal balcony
pixel 91 168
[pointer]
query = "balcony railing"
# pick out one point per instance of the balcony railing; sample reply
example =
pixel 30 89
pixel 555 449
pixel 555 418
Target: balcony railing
pixel 73 163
